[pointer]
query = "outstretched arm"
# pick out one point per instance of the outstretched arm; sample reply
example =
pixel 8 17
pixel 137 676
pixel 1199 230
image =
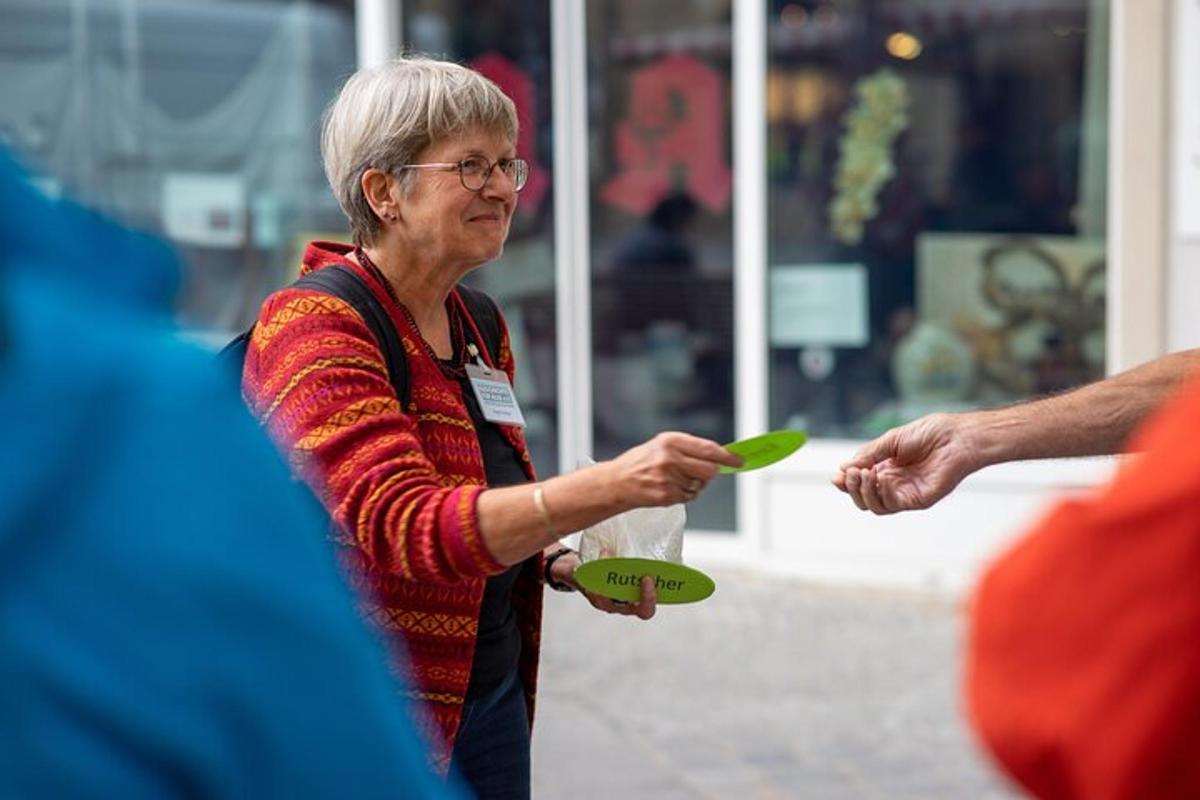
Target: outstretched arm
pixel 916 465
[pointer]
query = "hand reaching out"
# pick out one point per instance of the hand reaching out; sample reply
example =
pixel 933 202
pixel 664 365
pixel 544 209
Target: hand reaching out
pixel 910 467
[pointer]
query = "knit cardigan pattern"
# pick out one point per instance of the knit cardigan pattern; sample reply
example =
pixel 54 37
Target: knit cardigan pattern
pixel 401 484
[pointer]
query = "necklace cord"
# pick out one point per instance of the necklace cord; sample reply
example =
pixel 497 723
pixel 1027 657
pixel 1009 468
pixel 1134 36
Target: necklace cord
pixel 452 367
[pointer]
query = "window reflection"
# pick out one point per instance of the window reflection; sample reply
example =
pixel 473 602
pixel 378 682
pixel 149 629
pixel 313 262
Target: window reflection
pixel 937 171
pixel 662 285
pixel 193 119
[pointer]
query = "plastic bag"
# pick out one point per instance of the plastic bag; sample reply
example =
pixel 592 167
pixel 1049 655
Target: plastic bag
pixel 654 533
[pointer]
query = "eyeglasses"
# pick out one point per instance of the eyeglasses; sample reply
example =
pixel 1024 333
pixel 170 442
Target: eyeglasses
pixel 474 171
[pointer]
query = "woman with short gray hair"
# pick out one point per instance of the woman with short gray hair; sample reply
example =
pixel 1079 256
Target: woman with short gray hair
pixel 444 522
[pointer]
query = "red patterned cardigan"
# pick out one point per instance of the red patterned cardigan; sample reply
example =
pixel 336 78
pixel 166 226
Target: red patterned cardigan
pixel 401 483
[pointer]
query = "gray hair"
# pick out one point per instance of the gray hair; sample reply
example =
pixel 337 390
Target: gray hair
pixel 385 115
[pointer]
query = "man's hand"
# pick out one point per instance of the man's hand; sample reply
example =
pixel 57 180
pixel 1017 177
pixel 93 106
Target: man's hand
pixel 911 467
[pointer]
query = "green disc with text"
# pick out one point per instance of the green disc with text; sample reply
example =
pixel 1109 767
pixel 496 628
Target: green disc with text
pixel 621 579
pixel 764 450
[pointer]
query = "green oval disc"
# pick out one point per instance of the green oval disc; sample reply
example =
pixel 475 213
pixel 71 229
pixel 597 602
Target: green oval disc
pixel 761 451
pixel 621 579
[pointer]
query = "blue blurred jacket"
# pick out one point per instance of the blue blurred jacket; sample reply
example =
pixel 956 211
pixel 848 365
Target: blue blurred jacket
pixel 172 621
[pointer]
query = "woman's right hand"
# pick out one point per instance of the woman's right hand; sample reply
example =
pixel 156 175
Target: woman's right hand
pixel 668 469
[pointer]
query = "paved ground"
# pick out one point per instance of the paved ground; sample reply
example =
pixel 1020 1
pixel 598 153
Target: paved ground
pixel 772 688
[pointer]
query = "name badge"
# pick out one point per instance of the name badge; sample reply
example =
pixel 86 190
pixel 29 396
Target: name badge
pixel 495 395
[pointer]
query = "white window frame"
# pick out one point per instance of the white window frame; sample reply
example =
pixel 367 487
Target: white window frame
pixel 378 30
pixel 572 231
pixel 1183 297
pixel 1139 155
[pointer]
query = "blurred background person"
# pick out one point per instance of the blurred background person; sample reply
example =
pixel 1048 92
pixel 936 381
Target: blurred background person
pixel 443 519
pixel 174 623
pixel 656 296
pixel 656 262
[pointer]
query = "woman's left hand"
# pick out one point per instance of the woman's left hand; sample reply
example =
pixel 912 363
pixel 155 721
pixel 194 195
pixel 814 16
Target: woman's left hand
pixel 563 570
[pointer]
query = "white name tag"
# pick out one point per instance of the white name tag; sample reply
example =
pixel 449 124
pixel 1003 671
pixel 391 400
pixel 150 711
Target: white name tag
pixel 495 396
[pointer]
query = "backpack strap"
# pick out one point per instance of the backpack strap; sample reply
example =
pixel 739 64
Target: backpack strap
pixel 486 317
pixel 345 284
pixel 232 356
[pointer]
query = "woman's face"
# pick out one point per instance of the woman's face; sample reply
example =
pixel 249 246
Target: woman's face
pixel 447 221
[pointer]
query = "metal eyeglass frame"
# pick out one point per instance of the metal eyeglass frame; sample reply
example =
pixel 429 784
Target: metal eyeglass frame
pixel 517 170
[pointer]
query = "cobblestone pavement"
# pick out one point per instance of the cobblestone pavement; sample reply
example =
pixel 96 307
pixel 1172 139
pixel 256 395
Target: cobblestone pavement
pixel 772 688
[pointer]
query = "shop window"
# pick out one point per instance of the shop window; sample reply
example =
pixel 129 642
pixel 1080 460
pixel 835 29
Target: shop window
pixel 195 120
pixel 936 177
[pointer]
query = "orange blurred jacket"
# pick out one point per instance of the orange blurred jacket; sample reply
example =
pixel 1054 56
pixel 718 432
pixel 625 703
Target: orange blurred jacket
pixel 1083 669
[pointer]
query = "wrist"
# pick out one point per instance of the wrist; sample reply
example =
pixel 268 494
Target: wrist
pixel 989 436
pixel 559 570
pixel 564 569
pixel 606 478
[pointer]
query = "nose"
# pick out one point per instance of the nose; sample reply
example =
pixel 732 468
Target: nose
pixel 499 185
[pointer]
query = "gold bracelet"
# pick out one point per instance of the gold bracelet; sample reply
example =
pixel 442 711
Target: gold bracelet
pixel 539 502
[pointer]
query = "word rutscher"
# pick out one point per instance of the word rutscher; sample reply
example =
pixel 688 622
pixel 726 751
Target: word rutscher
pixel 629 579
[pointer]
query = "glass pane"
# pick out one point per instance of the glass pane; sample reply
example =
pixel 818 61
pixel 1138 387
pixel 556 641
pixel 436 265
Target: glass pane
pixel 195 120
pixel 937 178
pixel 662 229
pixel 510 43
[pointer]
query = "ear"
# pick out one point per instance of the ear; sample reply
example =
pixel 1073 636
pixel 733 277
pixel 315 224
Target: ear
pixel 382 193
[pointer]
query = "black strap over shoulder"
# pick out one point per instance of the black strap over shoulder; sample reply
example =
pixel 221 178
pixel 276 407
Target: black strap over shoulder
pixel 345 284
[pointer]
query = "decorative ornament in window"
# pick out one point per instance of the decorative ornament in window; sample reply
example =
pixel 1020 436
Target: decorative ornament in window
pixel 865 160
pixel 1052 325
